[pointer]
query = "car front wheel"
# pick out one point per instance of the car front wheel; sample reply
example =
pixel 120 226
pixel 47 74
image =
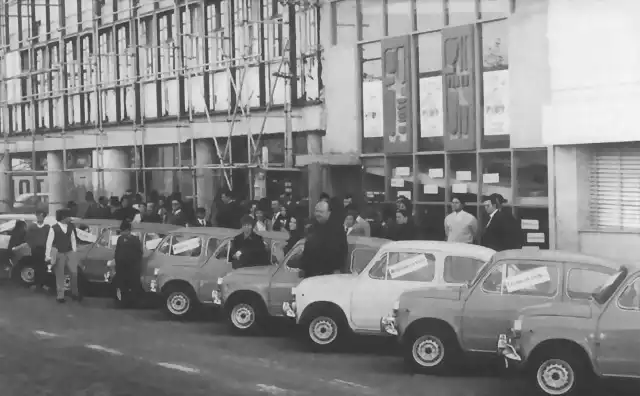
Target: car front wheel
pixel 326 331
pixel 25 275
pixel 560 373
pixel 178 303
pixel 245 317
pixel 431 350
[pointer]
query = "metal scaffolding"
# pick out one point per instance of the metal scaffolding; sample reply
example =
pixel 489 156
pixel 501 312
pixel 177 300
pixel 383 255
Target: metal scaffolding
pixel 187 65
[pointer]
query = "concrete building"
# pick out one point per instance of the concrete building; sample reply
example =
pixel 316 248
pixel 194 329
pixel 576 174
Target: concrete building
pixel 422 98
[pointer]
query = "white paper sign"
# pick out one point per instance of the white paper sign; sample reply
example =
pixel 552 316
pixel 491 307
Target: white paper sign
pixel 152 243
pixel 459 188
pixel 406 194
pixel 8 226
pixel 463 175
pixel 372 108
pixel 491 178
pixel 408 266
pixel 4 241
pixel 184 246
pixel 496 102
pixel 397 182
pixel 114 239
pixel 402 171
pixel 431 108
pixel 527 224
pixel 86 236
pixel 527 279
pixel 436 173
pixel 430 189
pixel 535 237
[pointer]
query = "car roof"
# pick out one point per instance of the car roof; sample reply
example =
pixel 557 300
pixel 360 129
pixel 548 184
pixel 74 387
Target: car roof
pixel 217 232
pixel 367 241
pixel 26 217
pixel 557 255
pixel 450 247
pixel 97 222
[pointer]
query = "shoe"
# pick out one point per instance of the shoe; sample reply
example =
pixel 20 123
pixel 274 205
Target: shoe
pixel 61 300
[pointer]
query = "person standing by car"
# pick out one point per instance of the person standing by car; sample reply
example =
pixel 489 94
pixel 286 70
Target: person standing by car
pixel 18 248
pixel 404 229
pixel 296 233
pixel 248 248
pixel 37 234
pixel 62 236
pixel 201 218
pixel 498 233
pixel 460 225
pixel 326 247
pixel 128 256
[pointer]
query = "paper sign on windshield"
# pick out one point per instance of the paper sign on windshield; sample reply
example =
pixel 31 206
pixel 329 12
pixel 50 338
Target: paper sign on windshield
pixel 185 246
pixel 152 243
pixel 4 241
pixel 408 266
pixel 86 236
pixel 114 239
pixel 8 226
pixel 527 279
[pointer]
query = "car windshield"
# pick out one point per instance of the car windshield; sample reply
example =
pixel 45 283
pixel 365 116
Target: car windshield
pixel 481 272
pixel 604 292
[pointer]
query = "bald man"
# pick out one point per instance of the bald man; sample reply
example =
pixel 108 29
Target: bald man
pixel 326 247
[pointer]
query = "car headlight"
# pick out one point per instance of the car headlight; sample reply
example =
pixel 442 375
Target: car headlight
pixel 396 307
pixel 111 263
pixel 517 324
pixel 220 280
pixel 156 272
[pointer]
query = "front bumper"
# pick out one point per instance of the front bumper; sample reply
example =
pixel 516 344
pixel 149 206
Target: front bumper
pixel 289 309
pixel 389 325
pixel 508 348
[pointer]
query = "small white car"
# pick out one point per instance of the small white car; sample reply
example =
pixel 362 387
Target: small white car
pixel 333 306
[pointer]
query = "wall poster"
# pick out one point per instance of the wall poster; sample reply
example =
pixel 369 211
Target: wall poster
pixel 431 108
pixel 372 108
pixel 496 103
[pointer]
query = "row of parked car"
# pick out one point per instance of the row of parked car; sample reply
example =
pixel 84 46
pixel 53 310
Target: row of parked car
pixel 563 318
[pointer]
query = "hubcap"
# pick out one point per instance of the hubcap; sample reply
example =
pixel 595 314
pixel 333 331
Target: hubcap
pixel 243 316
pixel 428 351
pixel 178 303
pixel 27 275
pixel 323 330
pixel 555 377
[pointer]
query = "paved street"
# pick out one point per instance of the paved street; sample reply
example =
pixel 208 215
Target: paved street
pixel 91 349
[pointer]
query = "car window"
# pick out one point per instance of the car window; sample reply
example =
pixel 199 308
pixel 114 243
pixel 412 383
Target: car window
pixel 212 244
pixel 360 258
pixel 459 269
pixel 115 235
pixel 411 267
pixel 630 297
pixel 582 283
pixel 294 260
pixel 222 251
pixel 522 278
pixel 104 239
pixel 165 246
pixel 152 240
pixel 277 252
pixel 379 268
pixel 186 246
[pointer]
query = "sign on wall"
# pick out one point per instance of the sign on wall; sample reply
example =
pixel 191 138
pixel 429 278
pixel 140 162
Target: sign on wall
pixel 459 88
pixel 496 102
pixel 431 112
pixel 396 95
pixel 372 108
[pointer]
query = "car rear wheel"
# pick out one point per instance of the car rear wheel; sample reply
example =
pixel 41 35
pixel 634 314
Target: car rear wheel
pixel 431 350
pixel 26 275
pixel 559 372
pixel 179 302
pixel 246 316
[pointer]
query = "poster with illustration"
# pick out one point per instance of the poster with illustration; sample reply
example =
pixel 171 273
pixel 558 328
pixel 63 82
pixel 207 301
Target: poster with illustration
pixel 431 107
pixel 372 108
pixel 496 103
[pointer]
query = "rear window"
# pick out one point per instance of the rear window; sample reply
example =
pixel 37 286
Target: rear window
pixel 460 269
pixel 582 283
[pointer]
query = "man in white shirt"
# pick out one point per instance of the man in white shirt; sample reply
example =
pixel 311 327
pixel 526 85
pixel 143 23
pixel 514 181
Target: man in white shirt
pixel 62 236
pixel 459 225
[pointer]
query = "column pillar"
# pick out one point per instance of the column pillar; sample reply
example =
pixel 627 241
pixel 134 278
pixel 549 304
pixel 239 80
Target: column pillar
pixel 207 180
pixel 57 181
pixel 6 199
pixel 318 183
pixel 117 182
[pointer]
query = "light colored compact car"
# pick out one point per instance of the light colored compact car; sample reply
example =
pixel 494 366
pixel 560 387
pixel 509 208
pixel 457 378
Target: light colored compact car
pixel 250 296
pixel 563 346
pixel 436 327
pixel 330 307
pixel 192 285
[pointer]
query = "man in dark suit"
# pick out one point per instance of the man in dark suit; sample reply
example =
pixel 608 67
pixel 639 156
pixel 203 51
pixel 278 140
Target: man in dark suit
pixel 499 233
pixel 248 248
pixel 201 220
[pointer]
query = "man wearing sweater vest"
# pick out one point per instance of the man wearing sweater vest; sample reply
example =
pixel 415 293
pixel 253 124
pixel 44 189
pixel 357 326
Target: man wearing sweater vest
pixel 37 235
pixel 62 237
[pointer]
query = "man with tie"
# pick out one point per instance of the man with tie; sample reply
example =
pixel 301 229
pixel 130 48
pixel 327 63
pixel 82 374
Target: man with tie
pixel 201 218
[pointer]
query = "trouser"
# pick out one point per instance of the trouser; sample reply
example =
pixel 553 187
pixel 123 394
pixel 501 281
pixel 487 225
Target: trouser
pixel 39 265
pixel 68 261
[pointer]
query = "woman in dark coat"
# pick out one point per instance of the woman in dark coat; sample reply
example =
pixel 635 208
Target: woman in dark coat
pixel 296 233
pixel 128 257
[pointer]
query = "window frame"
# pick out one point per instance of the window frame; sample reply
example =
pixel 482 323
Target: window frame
pixel 623 291
pixel 450 255
pixel 568 280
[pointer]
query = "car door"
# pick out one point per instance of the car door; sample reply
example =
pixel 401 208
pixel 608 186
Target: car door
pixel 216 266
pixel 94 263
pixel 509 286
pixel 286 276
pixel 375 293
pixel 618 349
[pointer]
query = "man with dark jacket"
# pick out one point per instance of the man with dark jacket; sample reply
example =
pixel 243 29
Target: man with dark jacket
pixel 326 246
pixel 230 213
pixel 128 256
pixel 248 248
pixel 499 233
pixel 127 212
pixel 403 229
pixel 201 220
pixel 177 216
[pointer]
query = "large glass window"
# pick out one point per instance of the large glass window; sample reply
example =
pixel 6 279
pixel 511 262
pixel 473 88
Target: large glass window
pixel 532 178
pixel 345 22
pixel 431 178
pixel 495 78
pixel 430 86
pixel 373 170
pixel 399 17
pixel 463 176
pixel 429 14
pixel 308 47
pixel 401 181
pixel 372 19
pixel 496 174
pixel 371 63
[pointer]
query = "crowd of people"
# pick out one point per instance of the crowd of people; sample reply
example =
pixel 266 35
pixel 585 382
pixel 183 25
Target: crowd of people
pixel 325 233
